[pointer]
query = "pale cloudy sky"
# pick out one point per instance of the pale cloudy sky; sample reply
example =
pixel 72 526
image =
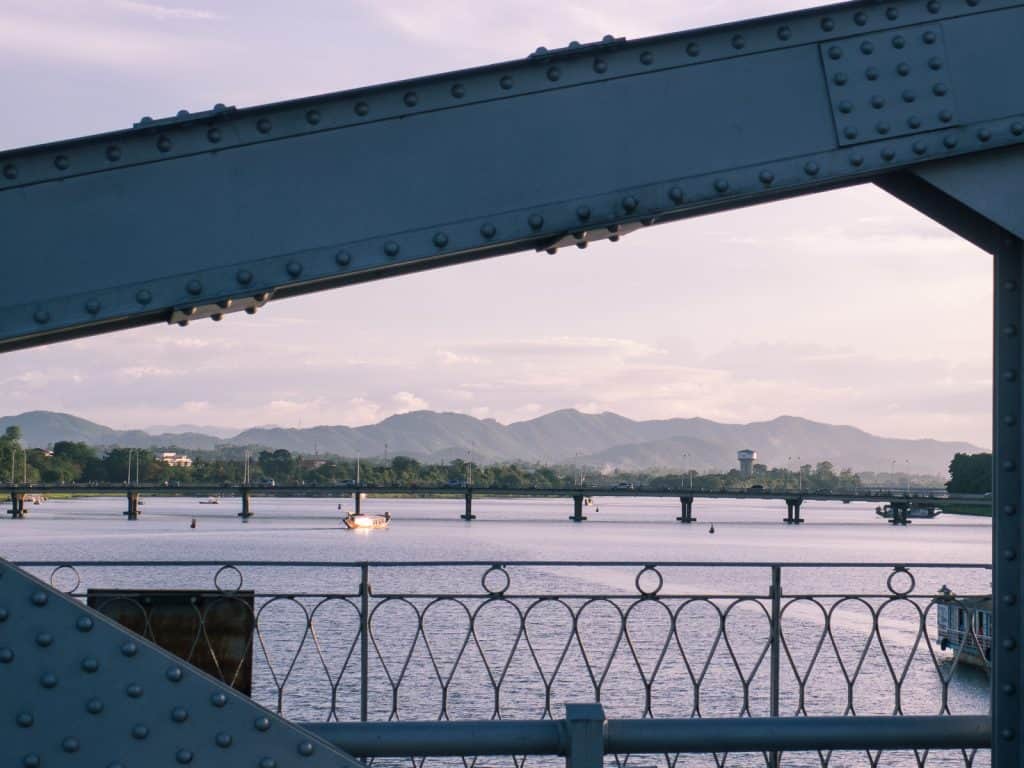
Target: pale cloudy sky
pixel 846 307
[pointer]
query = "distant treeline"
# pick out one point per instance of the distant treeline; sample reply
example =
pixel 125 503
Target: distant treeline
pixel 970 473
pixel 72 462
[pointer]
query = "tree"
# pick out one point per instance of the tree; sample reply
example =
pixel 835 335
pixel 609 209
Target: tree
pixel 970 473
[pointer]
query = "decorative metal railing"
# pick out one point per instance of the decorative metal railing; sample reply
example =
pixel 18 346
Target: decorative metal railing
pixel 457 641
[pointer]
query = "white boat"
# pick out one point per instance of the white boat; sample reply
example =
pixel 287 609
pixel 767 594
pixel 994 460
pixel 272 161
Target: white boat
pixel 914 513
pixel 211 500
pixel 965 628
pixel 366 522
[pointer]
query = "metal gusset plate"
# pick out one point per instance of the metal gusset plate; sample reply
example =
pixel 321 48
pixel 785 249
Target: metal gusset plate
pixel 79 690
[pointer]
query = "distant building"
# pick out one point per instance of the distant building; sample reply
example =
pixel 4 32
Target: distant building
pixel 747 458
pixel 172 459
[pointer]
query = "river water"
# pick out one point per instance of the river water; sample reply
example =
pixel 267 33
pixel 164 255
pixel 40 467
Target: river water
pixel 444 647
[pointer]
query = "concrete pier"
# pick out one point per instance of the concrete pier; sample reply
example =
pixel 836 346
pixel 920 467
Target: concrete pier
pixel 468 514
pixel 17 510
pixel 686 515
pixel 246 512
pixel 793 512
pixel 577 509
pixel 133 505
pixel 357 499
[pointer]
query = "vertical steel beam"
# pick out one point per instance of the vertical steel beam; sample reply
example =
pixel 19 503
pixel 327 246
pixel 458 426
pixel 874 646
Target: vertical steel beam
pixel 1006 528
pixel 468 514
pixel 364 640
pixel 775 592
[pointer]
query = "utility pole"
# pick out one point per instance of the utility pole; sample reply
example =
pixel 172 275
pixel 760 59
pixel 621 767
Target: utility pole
pixel 686 471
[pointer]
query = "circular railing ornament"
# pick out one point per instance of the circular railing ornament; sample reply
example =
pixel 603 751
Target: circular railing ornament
pixel 658 585
pixel 222 589
pixel 898 571
pixel 55 574
pixel 496 588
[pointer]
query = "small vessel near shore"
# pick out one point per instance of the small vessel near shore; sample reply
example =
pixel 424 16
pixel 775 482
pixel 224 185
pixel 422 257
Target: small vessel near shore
pixel 211 500
pixel 914 513
pixel 366 522
pixel 965 628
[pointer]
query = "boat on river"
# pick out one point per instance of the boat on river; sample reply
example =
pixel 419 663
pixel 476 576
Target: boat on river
pixel 965 628
pixel 366 522
pixel 211 500
pixel 914 513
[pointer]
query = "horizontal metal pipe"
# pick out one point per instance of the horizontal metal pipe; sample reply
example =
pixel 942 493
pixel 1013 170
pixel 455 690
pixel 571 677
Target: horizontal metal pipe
pixel 548 737
pixel 445 739
pixel 793 734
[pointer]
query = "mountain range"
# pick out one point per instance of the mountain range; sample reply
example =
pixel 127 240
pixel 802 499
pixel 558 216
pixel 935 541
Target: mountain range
pixel 604 440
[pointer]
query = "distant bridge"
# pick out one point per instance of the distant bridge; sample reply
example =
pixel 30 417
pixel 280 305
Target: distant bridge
pixel 900 502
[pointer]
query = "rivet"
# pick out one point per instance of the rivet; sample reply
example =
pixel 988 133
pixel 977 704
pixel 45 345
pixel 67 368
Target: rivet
pixel 1009 643
pixel 84 623
pixel 536 221
pixel 856 159
pixel 1006 733
pixel 458 90
pixel 362 108
pixel 888 155
pixel 1010 375
pixel 243 276
pixel 882 127
pixel 1009 330
pixel 835 53
pixel 44 639
pixel 218 699
pixel 871 73
pixel 845 107
pixel 1009 465
pixel 945 116
pixel 646 58
pixel 113 153
pixel 391 248
pixel 867 47
pixel 505 83
pixel 263 125
pixel 6 655
pixel 174 674
pixel 920 148
pixel 899 41
pixel 440 240
pixel 343 258
pixel 554 73
pixel 25 720
pixel 70 744
pixel 738 42
pixel 1010 599
pixel 3 615
pixel 90 665
pixel 766 177
pixel 1008 689
pixel 840 78
pixel 1009 510
pixel 1017 129
pixel 94 706
pixel 934 6
pixel 61 162
pixel 676 194
pixel 940 89
pixel 909 96
pixel 411 99
pixel 850 132
pixel 1009 554
pixel 811 168
pixel 41 316
pixel 488 230
pixel 140 732
pixel 984 134
pixel 860 18
pixel 827 24
pixel 223 740
pixel 39 599
pixel 600 66
pixel 583 212
pixel 929 37
pixel 877 101
pixel 306 748
pixel 10 172
pixel 213 135
pixel 935 63
pixel 163 144
pixel 48 680
pixel 143 297
pixel 294 268
pixel 183 756
pixel 179 714
pixel 629 203
pixel 268 762
pixel 312 117
pixel 31 760
pixel 721 186
pixel 134 690
pixel 692 50
pixel 903 69
pixel 892 13
pixel 784 33
pixel 194 287
pixel 262 723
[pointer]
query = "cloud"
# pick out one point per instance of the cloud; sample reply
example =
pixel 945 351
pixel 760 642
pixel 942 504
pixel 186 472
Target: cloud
pixel 407 401
pixel 164 13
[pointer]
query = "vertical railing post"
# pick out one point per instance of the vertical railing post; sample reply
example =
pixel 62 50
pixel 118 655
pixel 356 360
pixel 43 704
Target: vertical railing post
pixel 775 593
pixel 364 639
pixel 585 725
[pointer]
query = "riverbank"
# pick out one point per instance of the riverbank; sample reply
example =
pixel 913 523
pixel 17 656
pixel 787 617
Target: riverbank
pixel 963 509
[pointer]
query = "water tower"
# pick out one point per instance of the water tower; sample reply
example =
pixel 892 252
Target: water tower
pixel 747 458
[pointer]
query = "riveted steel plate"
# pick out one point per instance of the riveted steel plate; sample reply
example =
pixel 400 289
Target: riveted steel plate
pixel 891 83
pixel 79 690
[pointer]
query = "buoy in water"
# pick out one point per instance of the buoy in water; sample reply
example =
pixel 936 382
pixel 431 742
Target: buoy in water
pixel 193 523
pixel 712 528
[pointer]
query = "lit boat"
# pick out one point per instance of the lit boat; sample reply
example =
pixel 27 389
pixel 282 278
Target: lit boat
pixel 367 522
pixel 211 500
pixel 965 628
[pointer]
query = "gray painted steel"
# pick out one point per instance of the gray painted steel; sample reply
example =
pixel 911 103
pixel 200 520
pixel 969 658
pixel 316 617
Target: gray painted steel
pixel 202 214
pixel 79 689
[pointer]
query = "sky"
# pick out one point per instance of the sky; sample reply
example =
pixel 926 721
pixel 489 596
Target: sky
pixel 846 307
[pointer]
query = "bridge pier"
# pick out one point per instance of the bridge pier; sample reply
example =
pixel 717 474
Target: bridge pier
pixel 686 516
pixel 357 499
pixel 577 509
pixel 793 512
pixel 246 512
pixel 133 505
pixel 900 513
pixel 17 510
pixel 468 514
